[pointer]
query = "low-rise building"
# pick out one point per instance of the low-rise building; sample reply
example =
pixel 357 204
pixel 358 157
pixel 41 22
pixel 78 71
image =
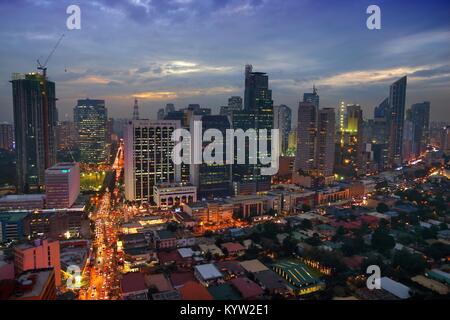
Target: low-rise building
pixel 168 195
pixel 207 274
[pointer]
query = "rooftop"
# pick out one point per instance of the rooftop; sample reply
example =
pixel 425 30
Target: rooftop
pixel 247 288
pixel 253 266
pixel 132 282
pixel 194 291
pixel 208 271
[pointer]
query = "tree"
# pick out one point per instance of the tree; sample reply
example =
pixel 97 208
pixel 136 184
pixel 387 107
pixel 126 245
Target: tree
pixel 382 207
pixel 306 224
pixel 340 233
pixel 382 240
pixel 353 246
pixel 410 264
pixel 438 250
pixel 290 245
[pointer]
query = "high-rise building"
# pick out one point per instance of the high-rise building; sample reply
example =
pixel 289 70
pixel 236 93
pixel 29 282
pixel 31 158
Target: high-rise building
pixel 6 136
pixel 350 158
pixel 258 115
pixel 312 97
pixel 234 104
pixel 66 135
pixel 148 160
pixel 381 111
pixel 282 118
pixel 420 118
pixel 136 110
pixel 325 142
pixel 91 120
pixel 170 107
pixel 305 159
pixel 315 137
pixel 407 148
pixel 34 124
pixel 62 185
pixel 396 118
pixel 211 180
pixel 38 255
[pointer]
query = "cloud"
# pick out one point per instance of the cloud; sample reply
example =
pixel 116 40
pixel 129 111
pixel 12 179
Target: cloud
pixel 365 77
pixel 93 79
pixel 180 67
pixel 184 93
pixel 415 42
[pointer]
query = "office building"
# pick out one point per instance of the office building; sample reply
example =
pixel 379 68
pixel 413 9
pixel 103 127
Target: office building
pixel 66 136
pixel 312 97
pixel 91 120
pixel 306 137
pixel 282 118
pixel 148 160
pixel 350 157
pixel 257 114
pixel 62 185
pixel 34 124
pixel 212 180
pixel 420 118
pixel 325 142
pixel 396 118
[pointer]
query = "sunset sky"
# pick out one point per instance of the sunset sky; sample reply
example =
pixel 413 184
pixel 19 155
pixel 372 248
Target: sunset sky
pixel 194 51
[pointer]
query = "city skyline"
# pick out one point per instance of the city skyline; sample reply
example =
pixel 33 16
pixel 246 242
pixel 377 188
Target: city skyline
pixel 105 60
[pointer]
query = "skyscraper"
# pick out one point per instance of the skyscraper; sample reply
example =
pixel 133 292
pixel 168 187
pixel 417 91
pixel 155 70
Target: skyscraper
pixel 147 155
pixel 305 159
pixel 170 107
pixel 350 153
pixel 315 137
pixel 257 114
pixel 282 120
pixel 234 104
pixel 325 142
pixel 34 124
pixel 396 118
pixel 211 180
pixel 6 136
pixel 312 97
pixel 66 135
pixel 91 120
pixel 420 118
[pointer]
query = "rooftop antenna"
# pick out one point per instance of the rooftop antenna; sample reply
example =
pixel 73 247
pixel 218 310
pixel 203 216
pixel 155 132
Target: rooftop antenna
pixel 136 110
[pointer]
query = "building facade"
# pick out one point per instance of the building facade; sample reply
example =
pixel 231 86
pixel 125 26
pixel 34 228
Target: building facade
pixel 91 120
pixel 62 183
pixel 148 161
pixel 396 118
pixel 34 124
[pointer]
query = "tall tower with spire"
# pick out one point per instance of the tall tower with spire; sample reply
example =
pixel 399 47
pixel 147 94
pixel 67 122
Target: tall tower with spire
pixel 136 110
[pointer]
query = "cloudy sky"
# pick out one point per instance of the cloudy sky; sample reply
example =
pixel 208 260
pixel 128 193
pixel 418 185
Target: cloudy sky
pixel 194 51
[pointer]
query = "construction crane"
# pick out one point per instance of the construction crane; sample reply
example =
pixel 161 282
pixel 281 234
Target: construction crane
pixel 43 66
pixel 45 104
